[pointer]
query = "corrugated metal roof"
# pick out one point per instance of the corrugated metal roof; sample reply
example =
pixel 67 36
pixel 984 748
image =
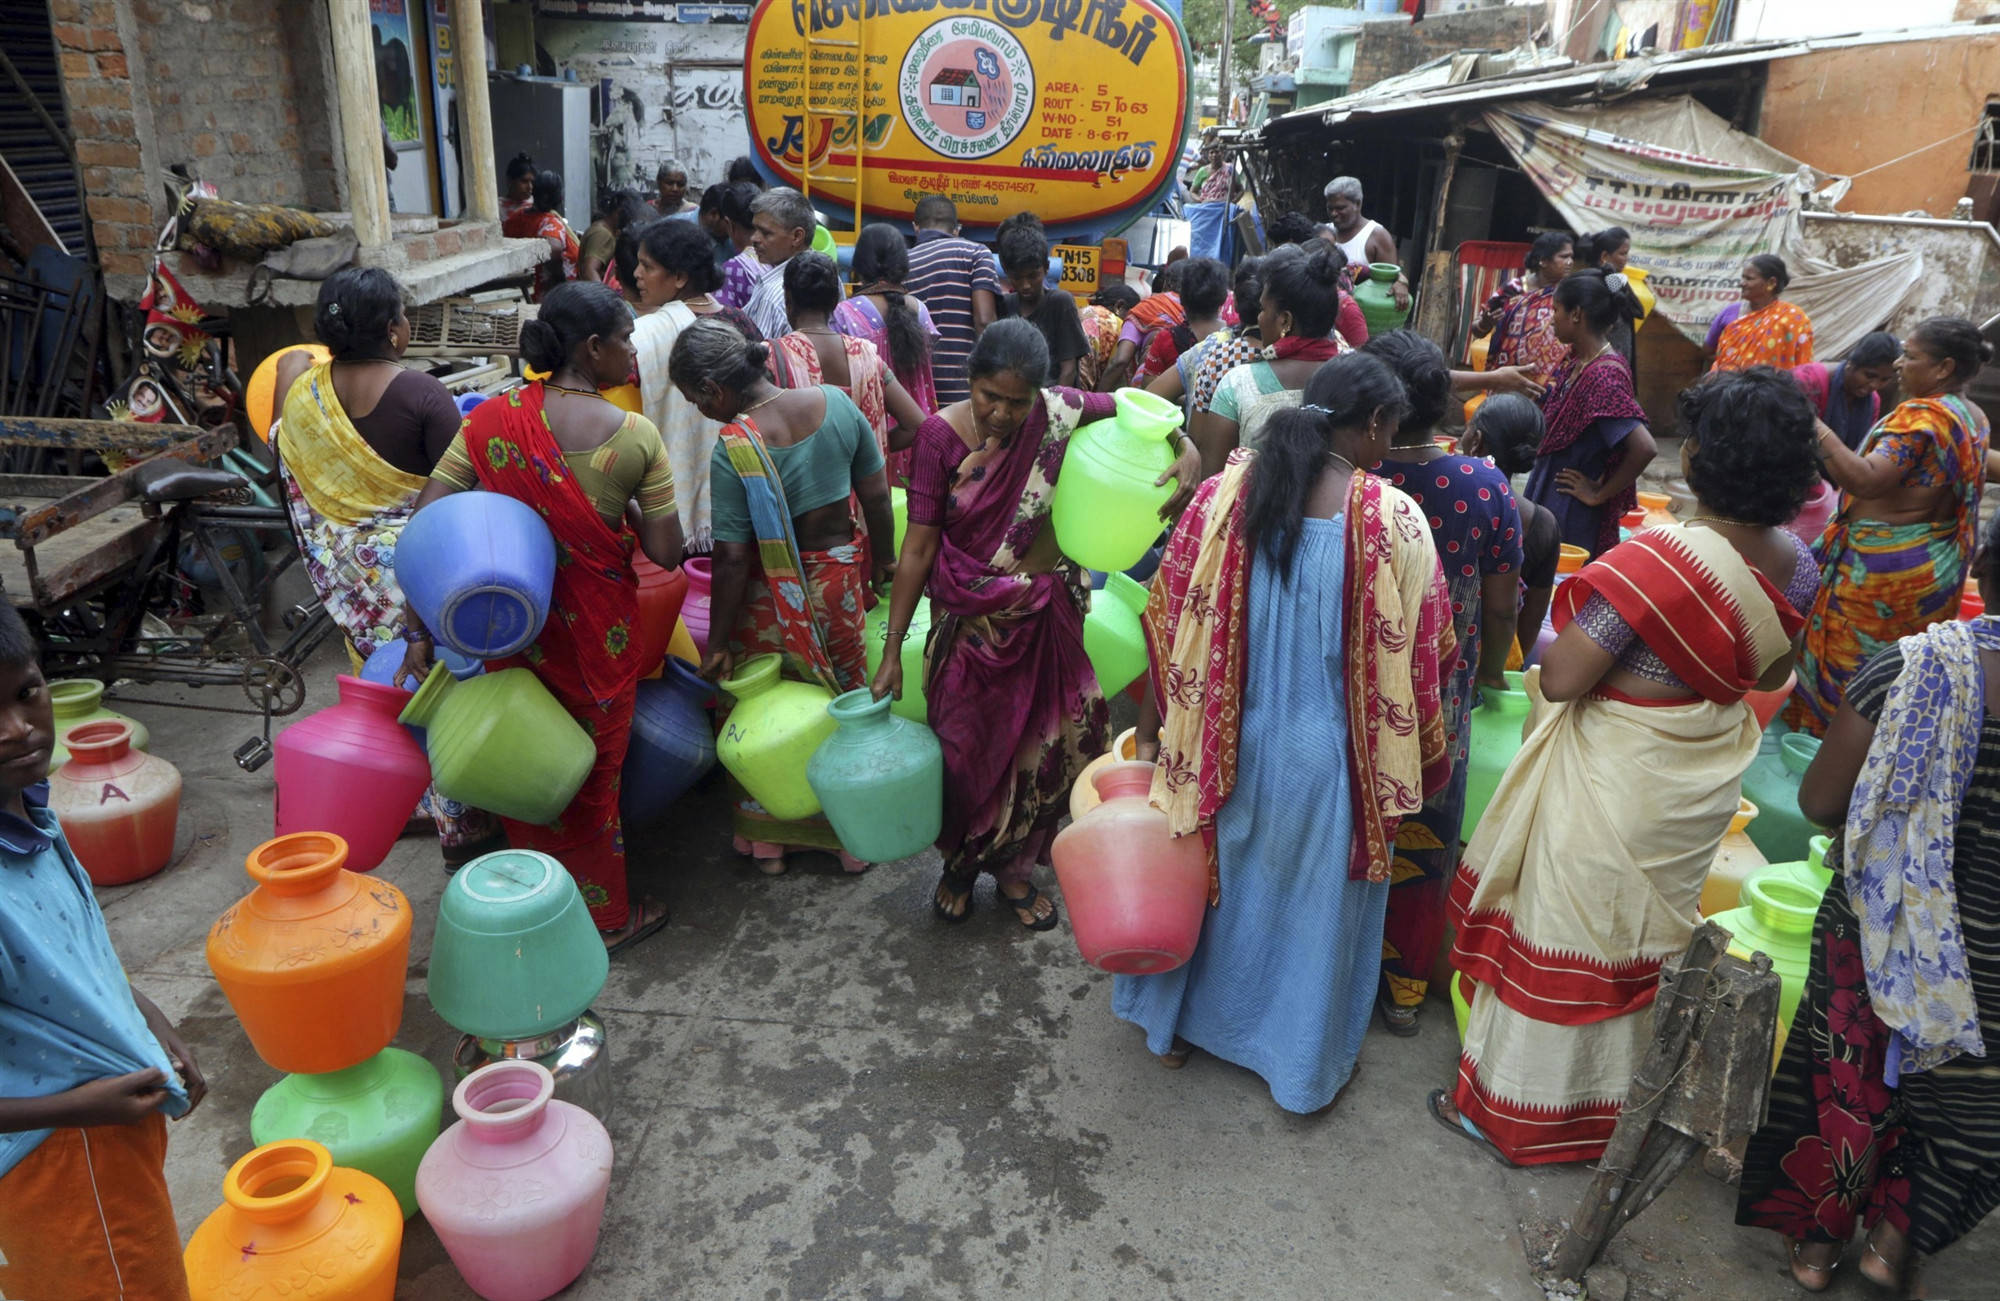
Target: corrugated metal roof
pixel 1420 89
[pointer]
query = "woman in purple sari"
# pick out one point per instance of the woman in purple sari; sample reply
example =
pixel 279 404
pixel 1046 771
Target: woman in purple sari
pixel 1012 696
pixel 1596 442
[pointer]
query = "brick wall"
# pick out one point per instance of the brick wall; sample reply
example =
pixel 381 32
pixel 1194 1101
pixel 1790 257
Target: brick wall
pixel 1387 47
pixel 239 90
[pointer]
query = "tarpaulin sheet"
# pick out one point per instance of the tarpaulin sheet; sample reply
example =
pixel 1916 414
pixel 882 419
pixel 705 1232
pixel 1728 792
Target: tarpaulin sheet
pixel 1699 198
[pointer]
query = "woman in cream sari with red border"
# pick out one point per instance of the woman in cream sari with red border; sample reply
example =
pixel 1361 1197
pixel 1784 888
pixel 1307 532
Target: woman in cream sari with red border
pixel 1586 870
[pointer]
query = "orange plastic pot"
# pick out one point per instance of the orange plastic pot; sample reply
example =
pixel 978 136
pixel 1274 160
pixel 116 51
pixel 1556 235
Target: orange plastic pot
pixel 1571 558
pixel 661 592
pixel 313 960
pixel 1767 704
pixel 294 1224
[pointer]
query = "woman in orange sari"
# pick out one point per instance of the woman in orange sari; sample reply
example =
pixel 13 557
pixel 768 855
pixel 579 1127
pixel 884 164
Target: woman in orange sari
pixel 1895 555
pixel 598 477
pixel 1770 332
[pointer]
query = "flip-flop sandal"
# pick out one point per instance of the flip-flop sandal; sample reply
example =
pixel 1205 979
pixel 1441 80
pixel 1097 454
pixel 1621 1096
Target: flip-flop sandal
pixel 1485 1145
pixel 1396 1019
pixel 1026 903
pixel 958 886
pixel 640 932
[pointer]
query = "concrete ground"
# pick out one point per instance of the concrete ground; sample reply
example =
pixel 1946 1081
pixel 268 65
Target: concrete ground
pixel 824 1092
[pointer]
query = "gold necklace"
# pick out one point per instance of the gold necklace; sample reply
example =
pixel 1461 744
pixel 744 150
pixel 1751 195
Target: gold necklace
pixel 1723 519
pixel 574 392
pixel 761 402
pixel 1338 459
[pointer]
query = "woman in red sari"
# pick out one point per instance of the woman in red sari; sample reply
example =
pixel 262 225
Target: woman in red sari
pixel 1012 696
pixel 543 219
pixel 598 477
pixel 1522 315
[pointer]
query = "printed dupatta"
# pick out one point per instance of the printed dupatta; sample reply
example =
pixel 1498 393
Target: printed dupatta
pixel 1902 826
pixel 341 477
pixel 778 553
pixel 1693 599
pixel 1400 647
pixel 587 648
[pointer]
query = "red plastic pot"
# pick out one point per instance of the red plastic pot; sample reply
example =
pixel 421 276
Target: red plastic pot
pixel 1135 892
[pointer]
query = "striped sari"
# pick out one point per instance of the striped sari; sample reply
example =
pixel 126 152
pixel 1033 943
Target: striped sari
pixel 1585 872
pixel 1881 582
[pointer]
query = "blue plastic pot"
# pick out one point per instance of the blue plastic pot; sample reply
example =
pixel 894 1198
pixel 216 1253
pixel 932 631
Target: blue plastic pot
pixel 477 567
pixel 672 745
pixel 386 658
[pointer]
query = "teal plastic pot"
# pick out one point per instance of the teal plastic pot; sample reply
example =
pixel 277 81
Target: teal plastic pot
pixel 912 706
pixel 1113 636
pixel 1106 507
pixel 501 742
pixel 880 780
pixel 1781 831
pixel 516 955
pixel 378 1117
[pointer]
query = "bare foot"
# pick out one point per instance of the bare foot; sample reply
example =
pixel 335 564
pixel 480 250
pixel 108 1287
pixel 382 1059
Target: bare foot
pixel 1888 1262
pixel 1813 1263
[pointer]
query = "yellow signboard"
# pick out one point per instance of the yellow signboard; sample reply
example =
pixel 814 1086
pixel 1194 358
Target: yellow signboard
pixel 1074 109
pixel 1079 268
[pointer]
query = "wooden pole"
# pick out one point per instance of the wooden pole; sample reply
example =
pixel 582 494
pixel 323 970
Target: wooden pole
pixel 1433 307
pixel 360 122
pixel 482 181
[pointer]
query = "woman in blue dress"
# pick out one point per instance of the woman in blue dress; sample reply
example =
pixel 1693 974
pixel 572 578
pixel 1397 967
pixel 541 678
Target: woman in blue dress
pixel 1292 747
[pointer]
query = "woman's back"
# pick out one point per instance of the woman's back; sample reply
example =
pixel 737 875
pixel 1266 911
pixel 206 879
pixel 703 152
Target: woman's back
pixel 821 447
pixel 615 455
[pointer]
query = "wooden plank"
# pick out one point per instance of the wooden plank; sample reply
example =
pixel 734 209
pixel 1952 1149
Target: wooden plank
pixel 98 435
pixel 79 499
pixel 77 559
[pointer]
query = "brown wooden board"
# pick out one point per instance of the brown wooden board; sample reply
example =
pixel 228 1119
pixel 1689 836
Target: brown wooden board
pixel 77 558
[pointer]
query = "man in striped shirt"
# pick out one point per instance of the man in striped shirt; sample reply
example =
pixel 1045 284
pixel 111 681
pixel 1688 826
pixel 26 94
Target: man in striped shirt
pixel 781 228
pixel 954 277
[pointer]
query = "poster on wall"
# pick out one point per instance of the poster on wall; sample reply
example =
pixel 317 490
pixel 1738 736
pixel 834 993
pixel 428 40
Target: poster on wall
pixel 1076 111
pixel 396 71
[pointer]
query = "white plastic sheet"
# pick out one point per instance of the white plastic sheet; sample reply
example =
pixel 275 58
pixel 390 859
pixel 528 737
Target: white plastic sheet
pixel 1699 198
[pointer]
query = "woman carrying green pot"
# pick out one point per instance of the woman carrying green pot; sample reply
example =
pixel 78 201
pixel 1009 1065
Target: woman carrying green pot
pixel 1012 696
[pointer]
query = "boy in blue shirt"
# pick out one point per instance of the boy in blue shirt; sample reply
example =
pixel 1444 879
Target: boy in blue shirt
pixel 88 1065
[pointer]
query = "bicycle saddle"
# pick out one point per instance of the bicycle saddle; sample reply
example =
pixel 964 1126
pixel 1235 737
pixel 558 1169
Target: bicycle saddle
pixel 166 479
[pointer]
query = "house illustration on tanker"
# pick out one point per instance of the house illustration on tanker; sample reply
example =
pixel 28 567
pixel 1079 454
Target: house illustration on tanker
pixel 955 88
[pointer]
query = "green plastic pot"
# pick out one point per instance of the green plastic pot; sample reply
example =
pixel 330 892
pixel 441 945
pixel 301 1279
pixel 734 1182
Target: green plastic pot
pixel 501 742
pixel 1498 722
pixel 378 1117
pixel 1776 919
pixel 81 700
pixel 1376 297
pixel 1782 832
pixel 1106 506
pixel 880 779
pixel 771 734
pixel 912 706
pixel 1113 636
pixel 516 955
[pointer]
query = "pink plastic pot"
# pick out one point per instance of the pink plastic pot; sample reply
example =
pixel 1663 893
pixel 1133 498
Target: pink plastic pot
pixel 700 571
pixel 1811 520
pixel 1768 704
pixel 516 1188
pixel 1136 894
pixel 353 770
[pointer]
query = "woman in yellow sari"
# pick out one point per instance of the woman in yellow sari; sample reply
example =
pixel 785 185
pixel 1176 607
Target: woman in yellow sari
pixel 356 443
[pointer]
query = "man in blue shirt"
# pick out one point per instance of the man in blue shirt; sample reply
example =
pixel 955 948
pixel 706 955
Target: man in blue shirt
pixel 88 1065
